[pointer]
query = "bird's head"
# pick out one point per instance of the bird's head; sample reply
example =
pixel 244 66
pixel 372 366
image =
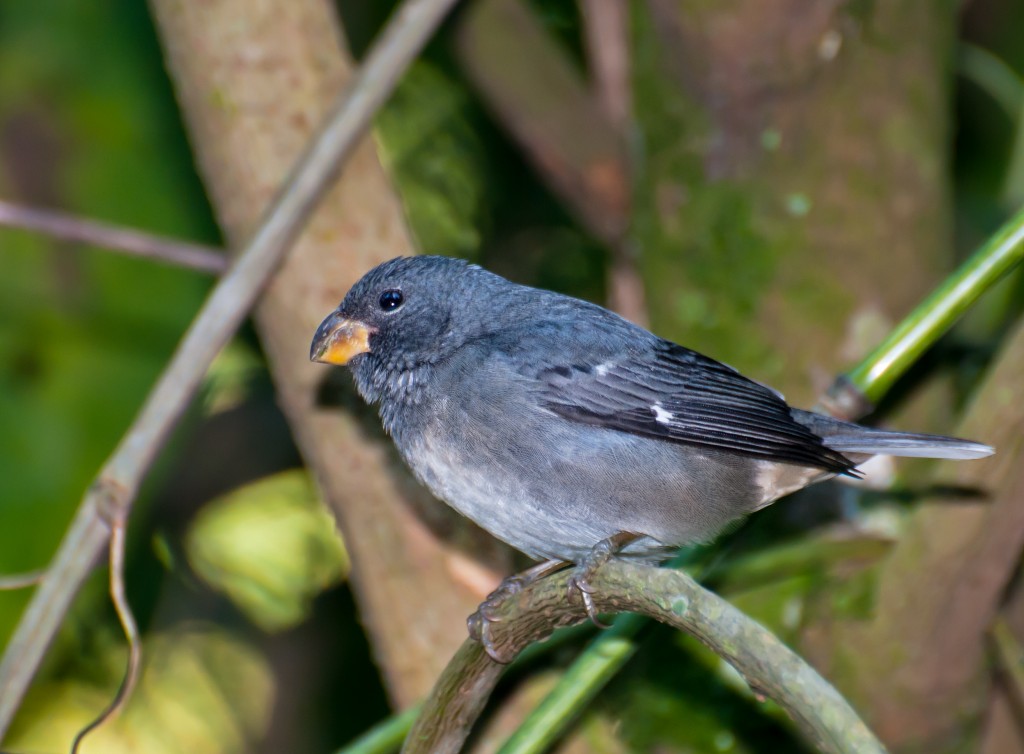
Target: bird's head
pixel 404 314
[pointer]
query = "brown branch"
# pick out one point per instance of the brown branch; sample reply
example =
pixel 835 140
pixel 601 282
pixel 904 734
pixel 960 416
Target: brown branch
pixel 770 668
pixel 606 30
pixel 539 97
pixel 669 596
pixel 1003 732
pixel 574 133
pixel 67 227
pixel 110 496
pixel 1009 660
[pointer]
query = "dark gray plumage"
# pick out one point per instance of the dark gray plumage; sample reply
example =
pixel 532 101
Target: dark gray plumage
pixel 555 424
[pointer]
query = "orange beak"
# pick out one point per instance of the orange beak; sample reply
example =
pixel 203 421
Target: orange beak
pixel 338 339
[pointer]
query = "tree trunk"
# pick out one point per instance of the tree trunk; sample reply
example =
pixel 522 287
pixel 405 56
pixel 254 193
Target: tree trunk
pixel 794 204
pixel 794 200
pixel 254 81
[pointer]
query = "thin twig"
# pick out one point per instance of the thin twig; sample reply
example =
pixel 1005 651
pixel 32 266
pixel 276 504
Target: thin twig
pixel 69 227
pixel 606 28
pixel 769 666
pixel 606 33
pixel 131 633
pixel 110 496
pixel 21 580
pixel 550 110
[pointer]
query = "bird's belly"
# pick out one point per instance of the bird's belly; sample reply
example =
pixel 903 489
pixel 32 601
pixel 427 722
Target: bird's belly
pixel 554 490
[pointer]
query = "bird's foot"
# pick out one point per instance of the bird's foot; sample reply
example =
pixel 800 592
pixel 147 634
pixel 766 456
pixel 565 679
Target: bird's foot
pixel 479 623
pixel 600 554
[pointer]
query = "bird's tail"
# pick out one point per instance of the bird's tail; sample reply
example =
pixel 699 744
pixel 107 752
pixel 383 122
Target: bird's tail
pixel 853 439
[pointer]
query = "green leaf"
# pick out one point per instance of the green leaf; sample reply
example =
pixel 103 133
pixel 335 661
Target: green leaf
pixel 203 692
pixel 271 547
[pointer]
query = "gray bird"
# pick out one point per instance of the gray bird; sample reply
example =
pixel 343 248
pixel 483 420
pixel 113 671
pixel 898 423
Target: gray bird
pixel 560 427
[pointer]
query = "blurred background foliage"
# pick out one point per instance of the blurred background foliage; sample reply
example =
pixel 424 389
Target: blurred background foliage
pixel 237 576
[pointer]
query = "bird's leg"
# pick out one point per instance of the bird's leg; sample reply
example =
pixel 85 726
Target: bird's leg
pixel 600 554
pixel 480 621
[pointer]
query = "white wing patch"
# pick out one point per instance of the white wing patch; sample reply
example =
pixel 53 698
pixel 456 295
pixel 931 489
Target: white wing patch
pixel 661 415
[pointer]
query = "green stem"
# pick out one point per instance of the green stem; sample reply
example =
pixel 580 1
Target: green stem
pixel 597 665
pixel 877 373
pixel 386 736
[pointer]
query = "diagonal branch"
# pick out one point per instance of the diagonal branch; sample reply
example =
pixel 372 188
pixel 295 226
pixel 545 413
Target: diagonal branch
pixel 770 668
pixel 879 371
pixel 67 227
pixel 549 110
pixel 110 496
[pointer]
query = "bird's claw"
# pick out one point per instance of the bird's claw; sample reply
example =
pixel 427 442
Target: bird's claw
pixel 579 582
pixel 600 554
pixel 479 626
pixel 479 623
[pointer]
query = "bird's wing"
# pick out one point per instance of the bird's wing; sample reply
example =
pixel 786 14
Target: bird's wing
pixel 671 393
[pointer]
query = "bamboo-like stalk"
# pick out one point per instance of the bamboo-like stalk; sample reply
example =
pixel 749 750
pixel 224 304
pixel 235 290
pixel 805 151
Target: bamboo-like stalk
pixel 386 736
pixel 877 373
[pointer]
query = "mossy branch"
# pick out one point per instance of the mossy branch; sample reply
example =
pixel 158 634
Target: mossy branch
pixel 672 597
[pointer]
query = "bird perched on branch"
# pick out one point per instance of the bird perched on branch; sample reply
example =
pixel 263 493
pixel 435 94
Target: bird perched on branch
pixel 570 433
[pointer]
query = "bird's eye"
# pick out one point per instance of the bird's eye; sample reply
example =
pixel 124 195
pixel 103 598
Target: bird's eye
pixel 390 300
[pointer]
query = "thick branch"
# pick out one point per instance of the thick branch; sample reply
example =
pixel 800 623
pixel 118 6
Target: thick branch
pixel 110 497
pixel 669 596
